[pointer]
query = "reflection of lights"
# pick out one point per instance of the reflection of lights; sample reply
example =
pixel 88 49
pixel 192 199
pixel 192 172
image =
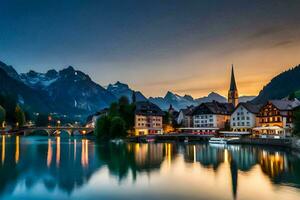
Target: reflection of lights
pixel 49 153
pixel 169 153
pixel 272 164
pixel 84 153
pixel 194 153
pixel 3 149
pixel 84 132
pixel 57 151
pixel 75 150
pixel 17 149
pixel 225 155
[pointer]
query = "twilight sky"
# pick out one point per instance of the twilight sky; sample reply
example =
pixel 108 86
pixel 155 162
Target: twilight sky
pixel 184 46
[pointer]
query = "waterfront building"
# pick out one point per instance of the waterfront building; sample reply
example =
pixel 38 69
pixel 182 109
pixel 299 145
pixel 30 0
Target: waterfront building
pixel 148 119
pixel 185 117
pixel 233 96
pixel 244 117
pixel 209 117
pixel 276 118
pixel 92 119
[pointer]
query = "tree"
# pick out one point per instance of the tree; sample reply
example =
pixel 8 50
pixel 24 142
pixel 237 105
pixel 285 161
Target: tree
pixel 296 121
pixel 102 127
pixel 117 128
pixel 8 102
pixel 19 116
pixel 123 101
pixel 41 120
pixel 2 115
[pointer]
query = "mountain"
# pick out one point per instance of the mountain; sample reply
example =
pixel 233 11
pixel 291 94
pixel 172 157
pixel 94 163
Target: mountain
pixel 10 71
pixel 77 93
pixel 280 86
pixel 120 89
pixel 212 97
pixel 178 102
pixel 67 92
pixel 244 99
pixel 73 91
pixel 39 80
pixel 29 98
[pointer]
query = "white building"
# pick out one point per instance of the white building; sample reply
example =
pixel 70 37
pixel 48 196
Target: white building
pixel 244 117
pixel 211 115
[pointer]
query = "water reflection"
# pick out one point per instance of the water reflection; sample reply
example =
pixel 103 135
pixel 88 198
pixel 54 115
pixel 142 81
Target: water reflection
pixel 68 164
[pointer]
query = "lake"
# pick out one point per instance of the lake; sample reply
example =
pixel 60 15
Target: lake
pixel 37 167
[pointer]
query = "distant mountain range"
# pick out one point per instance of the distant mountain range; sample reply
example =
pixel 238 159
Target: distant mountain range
pixel 178 102
pixel 72 92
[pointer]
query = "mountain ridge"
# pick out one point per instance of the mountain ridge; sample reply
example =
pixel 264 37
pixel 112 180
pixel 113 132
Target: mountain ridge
pixel 71 91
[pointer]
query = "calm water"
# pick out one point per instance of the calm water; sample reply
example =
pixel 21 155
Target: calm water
pixel 75 168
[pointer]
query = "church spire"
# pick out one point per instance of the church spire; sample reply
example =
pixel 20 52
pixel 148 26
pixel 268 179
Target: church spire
pixel 233 96
pixel 232 82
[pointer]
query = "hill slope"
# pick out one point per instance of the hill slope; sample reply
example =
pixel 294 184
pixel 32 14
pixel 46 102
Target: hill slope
pixel 280 86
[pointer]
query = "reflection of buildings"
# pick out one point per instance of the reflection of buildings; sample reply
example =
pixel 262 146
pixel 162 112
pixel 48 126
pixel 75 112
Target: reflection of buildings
pixel 51 161
pixel 245 157
pixel 272 163
pixel 148 156
pixel 205 154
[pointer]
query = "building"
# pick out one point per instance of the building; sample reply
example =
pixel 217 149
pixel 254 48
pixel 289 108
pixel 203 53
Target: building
pixel 148 119
pixel 185 117
pixel 173 114
pixel 233 96
pixel 92 119
pixel 276 118
pixel 244 117
pixel 211 116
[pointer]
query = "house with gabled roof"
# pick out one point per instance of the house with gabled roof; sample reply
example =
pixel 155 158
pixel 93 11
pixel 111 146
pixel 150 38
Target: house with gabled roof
pixel 276 118
pixel 211 116
pixel 244 117
pixel 148 119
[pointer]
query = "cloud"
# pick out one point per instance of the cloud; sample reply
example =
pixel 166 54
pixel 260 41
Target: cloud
pixel 282 43
pixel 265 32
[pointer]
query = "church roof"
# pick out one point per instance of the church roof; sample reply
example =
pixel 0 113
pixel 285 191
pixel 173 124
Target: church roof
pixel 147 108
pixel 232 81
pixel 214 107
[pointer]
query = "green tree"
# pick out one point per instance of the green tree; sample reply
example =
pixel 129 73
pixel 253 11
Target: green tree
pixel 296 121
pixel 19 116
pixel 41 120
pixel 2 115
pixel 8 102
pixel 102 127
pixel 123 101
pixel 117 128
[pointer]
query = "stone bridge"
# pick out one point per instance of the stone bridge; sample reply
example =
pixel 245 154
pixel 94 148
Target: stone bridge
pixel 57 130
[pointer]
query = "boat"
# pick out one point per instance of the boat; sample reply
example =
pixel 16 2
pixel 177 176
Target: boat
pixel 220 140
pixel 215 140
pixel 186 140
pixel 150 140
pixel 117 141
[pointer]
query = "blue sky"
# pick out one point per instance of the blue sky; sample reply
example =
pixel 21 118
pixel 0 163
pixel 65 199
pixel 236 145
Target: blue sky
pixel 155 46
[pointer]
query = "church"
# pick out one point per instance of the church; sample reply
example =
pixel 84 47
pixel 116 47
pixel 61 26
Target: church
pixel 233 96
